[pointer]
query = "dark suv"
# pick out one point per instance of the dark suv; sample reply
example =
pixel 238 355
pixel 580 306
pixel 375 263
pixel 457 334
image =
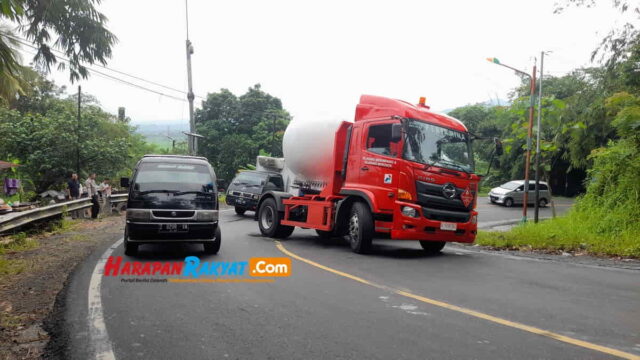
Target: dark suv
pixel 172 199
pixel 247 187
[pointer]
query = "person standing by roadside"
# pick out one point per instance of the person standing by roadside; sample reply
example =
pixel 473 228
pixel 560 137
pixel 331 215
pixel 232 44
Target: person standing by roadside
pixel 105 193
pixel 92 191
pixel 73 191
pixel 73 187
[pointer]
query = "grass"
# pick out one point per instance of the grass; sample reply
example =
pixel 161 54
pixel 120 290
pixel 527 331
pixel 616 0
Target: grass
pixel 580 232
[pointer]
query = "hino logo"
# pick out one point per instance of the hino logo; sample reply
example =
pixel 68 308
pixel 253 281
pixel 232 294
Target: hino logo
pixel 449 191
pixel 173 213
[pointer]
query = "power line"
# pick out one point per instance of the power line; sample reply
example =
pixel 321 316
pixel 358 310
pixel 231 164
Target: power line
pixel 25 42
pixel 122 81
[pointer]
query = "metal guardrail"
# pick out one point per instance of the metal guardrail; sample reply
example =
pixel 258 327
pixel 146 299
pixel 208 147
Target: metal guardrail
pixel 16 219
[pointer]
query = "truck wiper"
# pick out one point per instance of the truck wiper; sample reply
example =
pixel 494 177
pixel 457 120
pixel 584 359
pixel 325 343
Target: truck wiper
pixel 454 165
pixel 156 191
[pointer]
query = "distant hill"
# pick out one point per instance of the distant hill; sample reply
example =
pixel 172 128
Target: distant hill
pixel 156 133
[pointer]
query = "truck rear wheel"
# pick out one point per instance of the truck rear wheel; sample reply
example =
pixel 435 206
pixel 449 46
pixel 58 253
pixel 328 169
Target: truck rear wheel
pixel 360 228
pixel 269 221
pixel 240 211
pixel 432 247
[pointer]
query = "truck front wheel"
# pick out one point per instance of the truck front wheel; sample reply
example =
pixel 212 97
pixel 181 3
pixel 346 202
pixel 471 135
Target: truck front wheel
pixel 432 247
pixel 269 221
pixel 360 228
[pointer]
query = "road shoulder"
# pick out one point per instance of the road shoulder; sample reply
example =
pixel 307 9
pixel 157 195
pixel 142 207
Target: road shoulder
pixel 33 293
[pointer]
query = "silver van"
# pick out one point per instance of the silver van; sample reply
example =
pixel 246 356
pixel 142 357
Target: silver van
pixel 512 193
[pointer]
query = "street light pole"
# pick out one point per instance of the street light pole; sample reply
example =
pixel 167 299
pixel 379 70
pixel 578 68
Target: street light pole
pixel 537 205
pixel 527 160
pixel 192 141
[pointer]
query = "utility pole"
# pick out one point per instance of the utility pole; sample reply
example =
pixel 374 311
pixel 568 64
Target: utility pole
pixel 537 205
pixel 192 140
pixel 78 133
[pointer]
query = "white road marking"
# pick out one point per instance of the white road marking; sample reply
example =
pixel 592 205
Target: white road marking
pixel 98 337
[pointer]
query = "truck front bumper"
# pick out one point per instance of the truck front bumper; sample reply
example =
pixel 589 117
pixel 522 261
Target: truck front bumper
pixel 420 228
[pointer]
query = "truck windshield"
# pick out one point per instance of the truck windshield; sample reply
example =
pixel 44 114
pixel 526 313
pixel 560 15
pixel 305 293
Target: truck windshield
pixel 438 146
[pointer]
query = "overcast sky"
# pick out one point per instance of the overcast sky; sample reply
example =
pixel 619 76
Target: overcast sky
pixel 319 57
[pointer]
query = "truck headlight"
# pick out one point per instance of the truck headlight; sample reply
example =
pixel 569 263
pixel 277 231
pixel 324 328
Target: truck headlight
pixel 207 215
pixel 138 214
pixel 409 211
pixel 256 196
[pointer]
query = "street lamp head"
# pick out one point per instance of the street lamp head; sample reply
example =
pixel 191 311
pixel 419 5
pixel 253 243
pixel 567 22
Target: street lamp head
pixel 494 60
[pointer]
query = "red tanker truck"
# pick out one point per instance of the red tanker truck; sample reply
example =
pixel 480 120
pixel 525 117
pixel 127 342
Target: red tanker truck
pixel 399 171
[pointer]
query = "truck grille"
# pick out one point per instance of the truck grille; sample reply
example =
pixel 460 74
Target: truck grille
pixel 173 213
pixel 242 194
pixel 436 207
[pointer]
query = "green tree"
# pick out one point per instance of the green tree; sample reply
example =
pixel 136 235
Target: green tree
pixel 74 27
pixel 236 129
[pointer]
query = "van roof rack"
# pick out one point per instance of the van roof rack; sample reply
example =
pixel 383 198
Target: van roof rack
pixel 174 156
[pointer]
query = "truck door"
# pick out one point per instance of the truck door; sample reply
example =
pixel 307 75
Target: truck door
pixel 378 164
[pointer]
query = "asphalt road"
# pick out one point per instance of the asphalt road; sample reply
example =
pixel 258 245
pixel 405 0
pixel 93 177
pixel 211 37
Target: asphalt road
pixel 396 303
pixel 492 213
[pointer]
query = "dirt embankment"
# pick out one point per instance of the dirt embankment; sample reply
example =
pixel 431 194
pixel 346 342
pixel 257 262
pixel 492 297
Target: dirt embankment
pixel 33 271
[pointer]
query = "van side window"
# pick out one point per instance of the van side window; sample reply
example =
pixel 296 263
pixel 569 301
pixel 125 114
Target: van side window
pixel 532 187
pixel 379 140
pixel 543 187
pixel 520 188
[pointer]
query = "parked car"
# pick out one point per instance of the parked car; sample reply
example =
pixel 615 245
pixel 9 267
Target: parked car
pixel 248 186
pixel 172 199
pixel 512 193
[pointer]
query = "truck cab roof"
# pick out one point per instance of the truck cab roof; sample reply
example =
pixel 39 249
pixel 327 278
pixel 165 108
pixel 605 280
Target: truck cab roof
pixel 375 107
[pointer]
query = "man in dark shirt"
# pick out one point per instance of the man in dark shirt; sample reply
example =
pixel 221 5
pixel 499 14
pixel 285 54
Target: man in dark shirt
pixel 73 187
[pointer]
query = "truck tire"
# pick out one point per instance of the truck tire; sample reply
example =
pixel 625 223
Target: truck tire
pixel 269 221
pixel 360 228
pixel 240 211
pixel 432 247
pixel 213 247
pixel 508 202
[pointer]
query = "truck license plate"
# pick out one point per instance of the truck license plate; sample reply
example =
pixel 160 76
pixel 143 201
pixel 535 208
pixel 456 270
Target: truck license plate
pixel 174 228
pixel 448 226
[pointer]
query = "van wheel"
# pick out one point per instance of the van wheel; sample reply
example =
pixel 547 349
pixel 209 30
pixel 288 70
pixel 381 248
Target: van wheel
pixel 432 247
pixel 360 228
pixel 542 203
pixel 508 202
pixel 129 248
pixel 213 247
pixel 240 211
pixel 269 221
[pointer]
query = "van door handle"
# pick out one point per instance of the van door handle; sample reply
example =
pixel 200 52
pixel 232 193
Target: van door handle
pixel 364 168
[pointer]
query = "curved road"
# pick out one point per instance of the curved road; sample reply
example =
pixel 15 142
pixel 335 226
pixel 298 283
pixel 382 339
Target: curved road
pixel 397 303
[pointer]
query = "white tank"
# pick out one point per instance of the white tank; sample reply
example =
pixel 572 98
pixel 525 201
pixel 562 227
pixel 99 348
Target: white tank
pixel 308 149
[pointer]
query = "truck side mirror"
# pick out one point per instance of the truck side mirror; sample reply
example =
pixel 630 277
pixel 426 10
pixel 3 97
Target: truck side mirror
pixel 396 132
pixel 124 182
pixel 498 144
